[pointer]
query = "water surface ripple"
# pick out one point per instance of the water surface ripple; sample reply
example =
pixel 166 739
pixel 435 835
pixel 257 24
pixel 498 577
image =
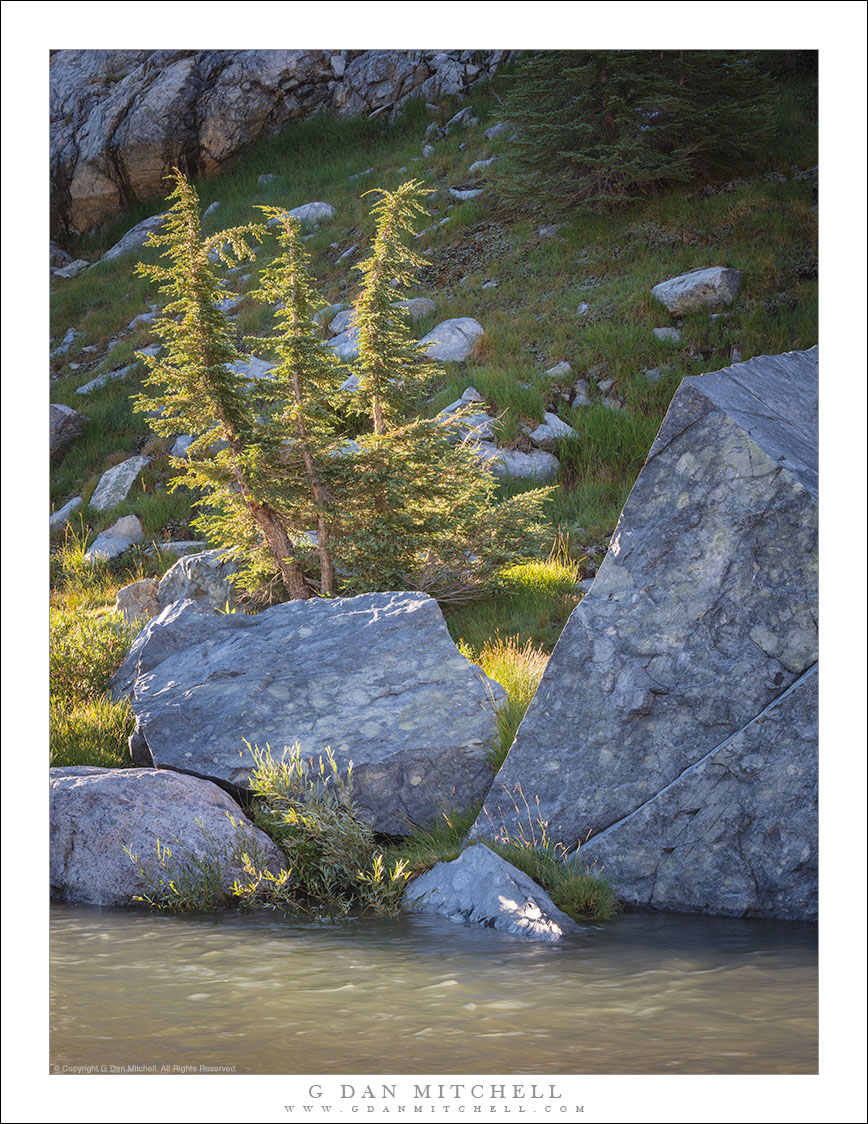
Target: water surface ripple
pixel 645 993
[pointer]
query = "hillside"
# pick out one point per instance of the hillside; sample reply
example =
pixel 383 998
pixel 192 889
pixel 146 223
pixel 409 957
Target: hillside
pixel 564 300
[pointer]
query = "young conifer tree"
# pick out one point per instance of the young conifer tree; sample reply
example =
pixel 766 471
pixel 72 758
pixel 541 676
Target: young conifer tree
pixel 391 368
pixel 421 513
pixel 194 389
pixel 300 434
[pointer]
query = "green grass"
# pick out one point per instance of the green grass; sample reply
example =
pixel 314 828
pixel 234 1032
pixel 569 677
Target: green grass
pixel 94 732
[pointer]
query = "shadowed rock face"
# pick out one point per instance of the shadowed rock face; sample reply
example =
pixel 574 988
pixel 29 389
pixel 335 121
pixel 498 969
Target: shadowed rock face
pixel 702 617
pixel 375 678
pixel 120 120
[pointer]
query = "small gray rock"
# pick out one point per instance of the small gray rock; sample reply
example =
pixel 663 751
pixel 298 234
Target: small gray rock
pixel 501 129
pixel 135 238
pixel 137 602
pixel 71 270
pixel 514 464
pixel 200 577
pixel 101 380
pixel 252 368
pixel 118 538
pixel 667 335
pixel 559 371
pixel 64 425
pixel 547 435
pixel 61 516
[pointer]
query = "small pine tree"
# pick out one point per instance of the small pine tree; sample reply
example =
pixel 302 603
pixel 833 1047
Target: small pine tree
pixel 391 368
pixel 300 435
pixel 194 388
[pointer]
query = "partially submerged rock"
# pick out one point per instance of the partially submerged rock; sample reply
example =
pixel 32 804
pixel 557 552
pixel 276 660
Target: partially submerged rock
pixel 481 888
pixel 701 618
pixel 115 484
pixel 96 813
pixel 376 678
pixel 701 288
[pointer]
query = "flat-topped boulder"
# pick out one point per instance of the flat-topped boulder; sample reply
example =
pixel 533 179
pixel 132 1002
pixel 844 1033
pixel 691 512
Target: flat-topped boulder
pixel 701 619
pixel 94 814
pixel 376 678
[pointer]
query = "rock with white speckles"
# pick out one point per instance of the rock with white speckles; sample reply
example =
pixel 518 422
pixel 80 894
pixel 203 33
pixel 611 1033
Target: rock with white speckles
pixel 377 678
pixel 114 485
pixel 481 888
pixel 96 813
pixel 701 618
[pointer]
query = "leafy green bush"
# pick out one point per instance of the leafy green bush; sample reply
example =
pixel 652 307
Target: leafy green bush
pixel 307 808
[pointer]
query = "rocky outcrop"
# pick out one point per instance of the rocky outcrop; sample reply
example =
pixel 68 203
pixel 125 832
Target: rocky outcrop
pixel 701 288
pixel 695 643
pixel 96 813
pixel 376 678
pixel 481 888
pixel 137 602
pixel 120 120
pixel 64 425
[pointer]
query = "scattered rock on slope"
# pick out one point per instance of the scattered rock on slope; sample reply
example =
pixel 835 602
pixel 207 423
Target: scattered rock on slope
pixel 64 425
pixel 701 288
pixel 96 813
pixel 701 618
pixel 452 340
pixel 115 484
pixel 119 537
pixel 377 678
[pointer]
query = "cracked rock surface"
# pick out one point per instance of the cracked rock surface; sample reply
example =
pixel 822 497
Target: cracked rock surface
pixel 703 613
pixel 376 678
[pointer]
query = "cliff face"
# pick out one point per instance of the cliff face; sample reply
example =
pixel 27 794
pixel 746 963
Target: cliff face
pixel 121 119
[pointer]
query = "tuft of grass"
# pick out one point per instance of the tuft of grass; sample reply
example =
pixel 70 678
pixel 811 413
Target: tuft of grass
pixel 518 668
pixel 94 732
pixel 84 652
pixel 438 842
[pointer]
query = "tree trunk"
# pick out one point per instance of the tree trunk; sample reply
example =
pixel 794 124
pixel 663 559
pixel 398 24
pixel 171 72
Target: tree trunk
pixel 279 545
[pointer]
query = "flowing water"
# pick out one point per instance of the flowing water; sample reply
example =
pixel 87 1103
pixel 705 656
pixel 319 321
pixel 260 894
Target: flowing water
pixel 645 993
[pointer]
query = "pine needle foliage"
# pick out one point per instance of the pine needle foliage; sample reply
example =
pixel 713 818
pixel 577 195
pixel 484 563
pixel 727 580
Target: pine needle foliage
pixel 392 370
pixel 599 128
pixel 194 388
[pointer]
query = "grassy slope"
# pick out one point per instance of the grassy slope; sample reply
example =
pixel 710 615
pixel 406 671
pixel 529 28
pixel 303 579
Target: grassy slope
pixel 764 225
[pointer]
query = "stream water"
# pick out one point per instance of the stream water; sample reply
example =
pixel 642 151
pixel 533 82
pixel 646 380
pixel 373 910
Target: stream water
pixel 645 993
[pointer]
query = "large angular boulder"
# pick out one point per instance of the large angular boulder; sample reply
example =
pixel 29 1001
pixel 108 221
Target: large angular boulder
pixel 701 288
pixel 698 635
pixel 94 814
pixel 376 678
pixel 481 888
pixel 64 425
